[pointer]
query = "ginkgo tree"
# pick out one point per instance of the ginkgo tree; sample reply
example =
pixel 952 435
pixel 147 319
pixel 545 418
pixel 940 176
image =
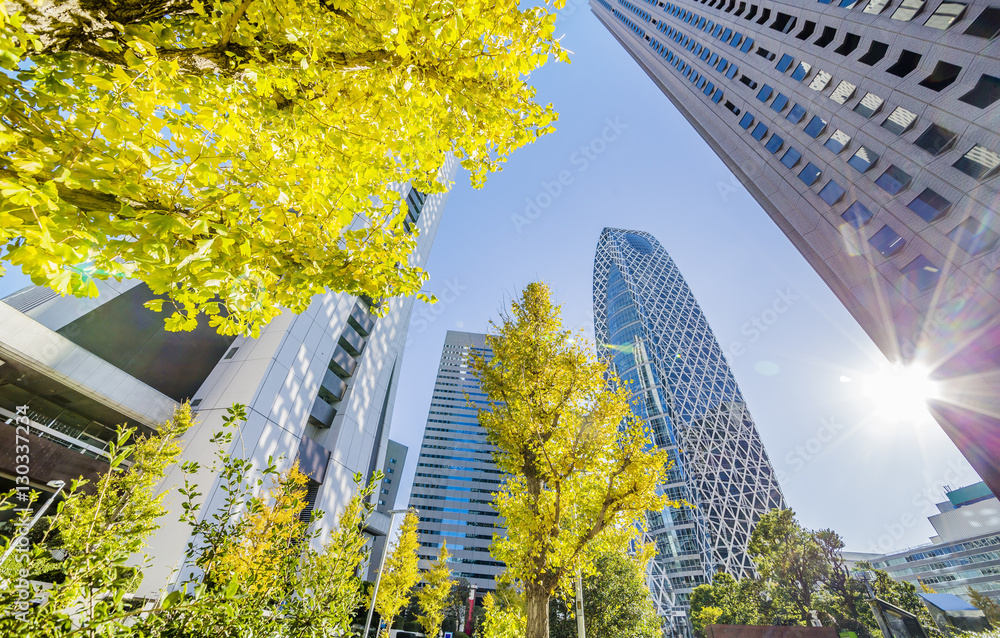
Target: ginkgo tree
pixel 241 156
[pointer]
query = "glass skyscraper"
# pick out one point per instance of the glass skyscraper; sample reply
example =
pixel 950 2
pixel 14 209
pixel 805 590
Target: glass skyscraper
pixel 456 475
pixel 649 325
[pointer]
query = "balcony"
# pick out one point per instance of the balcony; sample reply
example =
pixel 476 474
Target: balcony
pixel 361 320
pixel 351 341
pixel 322 413
pixel 342 364
pixel 334 386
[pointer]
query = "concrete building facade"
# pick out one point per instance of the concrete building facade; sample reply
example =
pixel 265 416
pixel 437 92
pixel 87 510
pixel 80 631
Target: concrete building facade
pixel 318 386
pixel 869 130
pixel 392 469
pixel 649 325
pixel 456 475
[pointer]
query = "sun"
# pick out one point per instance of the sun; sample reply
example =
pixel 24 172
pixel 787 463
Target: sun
pixel 900 393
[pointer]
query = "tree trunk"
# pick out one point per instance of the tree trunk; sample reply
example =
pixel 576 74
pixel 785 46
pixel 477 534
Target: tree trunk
pixel 536 600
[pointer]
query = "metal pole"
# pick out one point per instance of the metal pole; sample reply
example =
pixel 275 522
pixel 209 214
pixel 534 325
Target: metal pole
pixel 580 628
pixel 381 566
pixel 59 485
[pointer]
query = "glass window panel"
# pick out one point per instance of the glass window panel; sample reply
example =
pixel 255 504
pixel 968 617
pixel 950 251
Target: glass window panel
pixel 974 236
pixel 986 25
pixel 791 157
pixel 922 273
pixel 829 33
pixel 820 81
pixel 746 121
pixel 713 60
pixel 929 205
pixel 978 162
pixel 876 7
pixel 815 127
pixel 899 121
pixel 765 93
pixel 887 241
pixel 876 51
pixel 759 131
pixel 943 76
pixel 863 159
pixel 893 180
pixel 801 71
pixel 857 215
pixel 747 45
pixel 843 92
pixel 985 93
pixel 908 10
pixel 779 103
pixel 838 141
pixel 721 65
pixel 774 144
pixel 731 73
pixel 718 96
pixel 737 38
pixel 908 60
pixel 936 139
pixel 869 105
pixel 945 15
pixel 728 33
pixel 809 174
pixel 796 114
pixel 832 193
pixel 785 62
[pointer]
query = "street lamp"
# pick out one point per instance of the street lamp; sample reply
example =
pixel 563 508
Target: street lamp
pixel 59 485
pixel 381 565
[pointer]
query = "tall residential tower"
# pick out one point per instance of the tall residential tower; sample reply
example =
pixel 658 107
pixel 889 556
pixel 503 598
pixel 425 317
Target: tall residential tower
pixel 869 130
pixel 647 322
pixel 456 475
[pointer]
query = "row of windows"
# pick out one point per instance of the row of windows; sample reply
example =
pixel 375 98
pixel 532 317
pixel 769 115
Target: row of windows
pixel 460 478
pixel 451 431
pixel 457 499
pixel 945 564
pixel 454 488
pixel 437 532
pixel 455 521
pixel 979 543
pixel 458 510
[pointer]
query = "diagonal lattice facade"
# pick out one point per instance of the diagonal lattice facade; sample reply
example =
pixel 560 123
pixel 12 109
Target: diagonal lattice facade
pixel 648 323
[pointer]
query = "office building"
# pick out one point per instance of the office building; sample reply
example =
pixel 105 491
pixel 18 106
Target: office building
pixel 392 469
pixel 456 475
pixel 648 323
pixel 869 130
pixel 964 552
pixel 318 386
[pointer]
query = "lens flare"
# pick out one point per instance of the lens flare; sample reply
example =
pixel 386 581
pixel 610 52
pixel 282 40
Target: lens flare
pixel 900 393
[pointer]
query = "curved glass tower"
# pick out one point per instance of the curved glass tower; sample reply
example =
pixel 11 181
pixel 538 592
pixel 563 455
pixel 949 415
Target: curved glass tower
pixel 647 322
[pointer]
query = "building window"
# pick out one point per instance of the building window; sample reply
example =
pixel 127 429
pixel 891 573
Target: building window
pixel 979 162
pixel 779 103
pixel 908 60
pixel 731 73
pixel 987 25
pixel 876 7
pixel 809 174
pixel 876 51
pixel 820 81
pixel 851 42
pixel 922 273
pixel 893 180
pixel 783 23
pixel 807 30
pixel 942 77
pixel 709 88
pixel 721 66
pixel 843 92
pixel 936 139
pixel 774 144
pixel 765 15
pixel 985 93
pixel 747 45
pixel 929 206
pixel 746 80
pixel 718 96
pixel 791 157
pixel 385 491
pixel 908 10
pixel 737 38
pixel 759 131
pixel 887 242
pixel 945 15
pixel 764 53
pixel 796 114
pixel 785 62
pixel 746 121
pixel 899 121
pixel 801 71
pixel 732 107
pixel 765 93
pixel 974 237
pixel 829 33
pixel 838 141
pixel 869 105
pixel 857 215
pixel 832 193
pixel 815 127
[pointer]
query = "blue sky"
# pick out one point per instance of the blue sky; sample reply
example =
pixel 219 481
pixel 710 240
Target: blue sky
pixel 623 156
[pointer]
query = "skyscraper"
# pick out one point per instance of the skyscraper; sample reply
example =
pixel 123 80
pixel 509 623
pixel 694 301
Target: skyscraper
pixel 318 386
pixel 649 325
pixel 392 469
pixel 869 130
pixel 455 475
